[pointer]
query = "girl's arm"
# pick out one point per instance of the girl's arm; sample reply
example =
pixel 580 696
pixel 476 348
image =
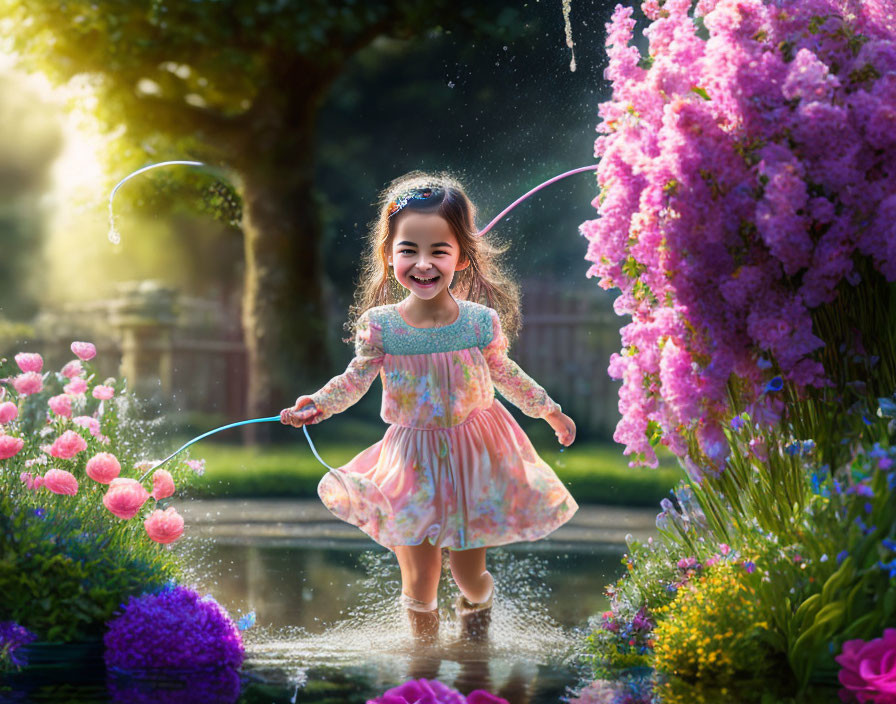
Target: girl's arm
pixel 513 383
pixel 344 390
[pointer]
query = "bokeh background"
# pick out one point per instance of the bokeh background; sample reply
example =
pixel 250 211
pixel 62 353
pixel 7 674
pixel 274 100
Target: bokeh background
pixel 226 296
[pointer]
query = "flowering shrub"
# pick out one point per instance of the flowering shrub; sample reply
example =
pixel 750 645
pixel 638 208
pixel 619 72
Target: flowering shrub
pixel 173 629
pixel 73 543
pixel 433 692
pixel 709 631
pixel 746 213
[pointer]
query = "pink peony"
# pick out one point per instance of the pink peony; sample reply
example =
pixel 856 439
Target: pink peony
pixel 103 393
pixel 10 446
pixel 76 386
pixel 88 422
pixel 38 482
pixel 28 383
pixel 29 361
pixel 8 411
pixel 61 405
pixel 84 350
pixel 125 497
pixel 68 445
pixel 103 467
pixel 162 484
pixel 61 482
pixel 164 526
pixel 197 466
pixel 73 369
pixel 868 669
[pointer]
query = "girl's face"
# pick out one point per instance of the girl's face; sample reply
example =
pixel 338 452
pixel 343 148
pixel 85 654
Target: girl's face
pixel 425 254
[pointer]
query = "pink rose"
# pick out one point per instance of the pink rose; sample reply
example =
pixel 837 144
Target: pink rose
pixel 76 386
pixel 10 446
pixel 103 393
pixel 8 411
pixel 125 497
pixel 61 482
pixel 162 484
pixel 84 350
pixel 103 467
pixel 29 361
pixel 68 445
pixel 724 548
pixel 164 526
pixel 28 383
pixel 197 466
pixel 868 669
pixel 73 369
pixel 61 405
pixel 88 422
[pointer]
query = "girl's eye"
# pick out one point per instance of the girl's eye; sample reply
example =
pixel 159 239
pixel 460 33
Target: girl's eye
pixel 438 251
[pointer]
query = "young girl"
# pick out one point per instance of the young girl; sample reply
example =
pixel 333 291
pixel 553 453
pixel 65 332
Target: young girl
pixel 454 469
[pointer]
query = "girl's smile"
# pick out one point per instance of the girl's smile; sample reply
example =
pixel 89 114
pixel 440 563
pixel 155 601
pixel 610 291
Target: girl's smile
pixel 424 257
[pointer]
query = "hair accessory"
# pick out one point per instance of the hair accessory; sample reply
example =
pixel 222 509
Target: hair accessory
pixel 413 194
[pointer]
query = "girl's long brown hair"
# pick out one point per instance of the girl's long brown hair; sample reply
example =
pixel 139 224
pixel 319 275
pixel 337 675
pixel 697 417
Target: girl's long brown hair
pixel 484 281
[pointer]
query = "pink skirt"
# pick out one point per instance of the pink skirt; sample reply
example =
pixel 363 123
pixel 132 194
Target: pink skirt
pixel 476 484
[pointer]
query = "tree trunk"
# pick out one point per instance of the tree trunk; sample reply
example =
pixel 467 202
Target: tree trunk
pixel 283 306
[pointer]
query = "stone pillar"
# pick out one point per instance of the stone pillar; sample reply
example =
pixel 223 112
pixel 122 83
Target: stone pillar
pixel 145 313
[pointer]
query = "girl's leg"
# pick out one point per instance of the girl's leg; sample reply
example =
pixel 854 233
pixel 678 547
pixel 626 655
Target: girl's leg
pixel 421 569
pixel 476 585
pixel 468 569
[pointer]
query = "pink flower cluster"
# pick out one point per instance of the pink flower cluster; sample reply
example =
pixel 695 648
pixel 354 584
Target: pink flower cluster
pixel 739 176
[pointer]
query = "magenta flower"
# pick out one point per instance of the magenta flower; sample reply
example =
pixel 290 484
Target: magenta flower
pixel 73 369
pixel 76 386
pixel 8 411
pixel 61 405
pixel 84 350
pixel 10 446
pixel 61 482
pixel 125 497
pixel 868 669
pixel 162 484
pixel 433 692
pixel 28 383
pixel 68 445
pixel 164 526
pixel 29 361
pixel 103 467
pixel 103 393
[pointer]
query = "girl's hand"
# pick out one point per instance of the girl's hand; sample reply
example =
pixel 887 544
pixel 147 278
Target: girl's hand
pixel 563 427
pixel 303 412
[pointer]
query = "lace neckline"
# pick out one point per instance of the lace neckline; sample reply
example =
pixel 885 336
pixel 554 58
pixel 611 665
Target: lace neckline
pixel 435 327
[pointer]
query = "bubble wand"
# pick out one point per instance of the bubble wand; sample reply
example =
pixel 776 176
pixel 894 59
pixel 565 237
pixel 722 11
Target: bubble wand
pixel 116 239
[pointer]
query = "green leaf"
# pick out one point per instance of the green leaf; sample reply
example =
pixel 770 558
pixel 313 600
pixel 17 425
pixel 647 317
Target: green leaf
pixel 701 92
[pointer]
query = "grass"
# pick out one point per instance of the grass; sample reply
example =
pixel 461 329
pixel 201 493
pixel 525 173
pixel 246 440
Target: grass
pixel 594 472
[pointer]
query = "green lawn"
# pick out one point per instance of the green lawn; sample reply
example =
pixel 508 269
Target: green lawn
pixel 594 472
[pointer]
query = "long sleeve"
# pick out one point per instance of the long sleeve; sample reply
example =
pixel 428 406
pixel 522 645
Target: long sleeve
pixel 344 390
pixel 513 383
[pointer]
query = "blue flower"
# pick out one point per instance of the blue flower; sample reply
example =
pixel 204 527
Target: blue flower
pixel 867 422
pixel 889 544
pixel 775 384
pixel 793 448
pixel 737 423
pixel 888 566
pixel 39 512
pixel 246 621
pixel 763 363
pixel 841 556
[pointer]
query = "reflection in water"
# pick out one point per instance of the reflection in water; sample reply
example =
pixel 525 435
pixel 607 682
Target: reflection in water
pixel 319 606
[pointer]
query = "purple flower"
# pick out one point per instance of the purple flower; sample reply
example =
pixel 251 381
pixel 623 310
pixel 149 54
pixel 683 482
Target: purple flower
pixel 427 691
pixel 750 566
pixel 173 629
pixel 12 635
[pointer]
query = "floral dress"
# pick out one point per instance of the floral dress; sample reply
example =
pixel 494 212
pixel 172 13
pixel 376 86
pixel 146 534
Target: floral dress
pixel 454 467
